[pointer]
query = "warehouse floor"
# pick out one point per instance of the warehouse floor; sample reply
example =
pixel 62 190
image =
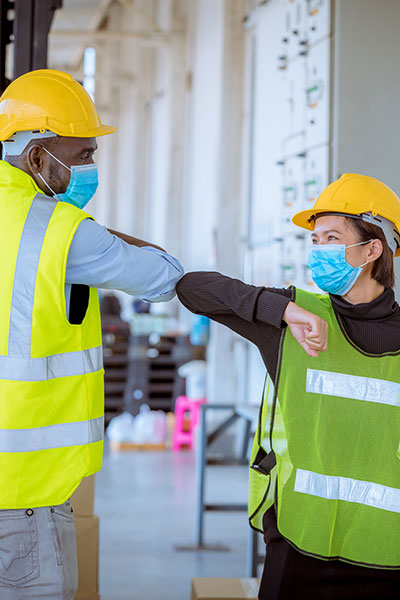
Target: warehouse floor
pixel 146 504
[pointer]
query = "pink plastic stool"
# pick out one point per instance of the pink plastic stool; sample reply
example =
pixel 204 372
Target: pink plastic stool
pixel 180 437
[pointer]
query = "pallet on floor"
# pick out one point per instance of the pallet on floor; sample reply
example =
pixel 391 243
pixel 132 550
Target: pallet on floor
pixel 126 446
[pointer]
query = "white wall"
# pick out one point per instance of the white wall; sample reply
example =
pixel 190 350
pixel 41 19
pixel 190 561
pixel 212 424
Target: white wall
pixel 366 113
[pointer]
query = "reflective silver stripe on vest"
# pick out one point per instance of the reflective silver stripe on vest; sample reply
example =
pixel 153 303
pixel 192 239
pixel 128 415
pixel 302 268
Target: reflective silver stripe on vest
pixel 19 339
pixel 350 490
pixel 353 386
pixel 50 367
pixel 53 436
pixel 18 365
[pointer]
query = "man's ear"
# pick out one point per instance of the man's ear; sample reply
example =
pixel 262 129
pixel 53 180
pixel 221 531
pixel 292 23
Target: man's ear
pixel 34 158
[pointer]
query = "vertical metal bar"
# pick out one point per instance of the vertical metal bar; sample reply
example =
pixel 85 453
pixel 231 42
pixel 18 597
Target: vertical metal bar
pixel 23 32
pixel 42 17
pixel 252 553
pixel 245 439
pixel 201 442
pixel 6 29
pixel 43 14
pixel 31 28
pixel 3 43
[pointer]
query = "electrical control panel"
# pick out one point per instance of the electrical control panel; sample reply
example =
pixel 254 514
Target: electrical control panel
pixel 290 134
pixel 317 94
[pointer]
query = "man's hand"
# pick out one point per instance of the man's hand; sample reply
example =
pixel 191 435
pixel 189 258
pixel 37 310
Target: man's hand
pixel 309 330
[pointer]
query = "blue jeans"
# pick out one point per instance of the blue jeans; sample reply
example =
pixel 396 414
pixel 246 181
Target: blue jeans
pixel 38 553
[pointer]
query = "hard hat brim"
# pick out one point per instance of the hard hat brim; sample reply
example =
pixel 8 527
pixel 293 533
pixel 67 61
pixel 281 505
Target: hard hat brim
pixel 302 219
pixel 101 130
pixel 97 132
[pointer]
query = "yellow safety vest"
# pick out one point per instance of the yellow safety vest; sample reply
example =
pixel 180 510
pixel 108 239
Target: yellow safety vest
pixel 51 372
pixel 327 448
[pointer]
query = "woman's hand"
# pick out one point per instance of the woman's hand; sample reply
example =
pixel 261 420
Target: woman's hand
pixel 309 330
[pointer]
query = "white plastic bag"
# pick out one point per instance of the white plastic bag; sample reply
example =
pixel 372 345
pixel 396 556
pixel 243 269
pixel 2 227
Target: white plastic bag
pixel 148 427
pixel 119 429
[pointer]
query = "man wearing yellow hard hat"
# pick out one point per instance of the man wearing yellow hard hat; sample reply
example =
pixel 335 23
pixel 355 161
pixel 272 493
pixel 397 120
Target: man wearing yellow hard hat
pixel 53 257
pixel 325 465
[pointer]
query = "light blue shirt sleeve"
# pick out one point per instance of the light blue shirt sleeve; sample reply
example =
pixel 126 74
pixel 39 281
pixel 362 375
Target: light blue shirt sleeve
pixel 99 259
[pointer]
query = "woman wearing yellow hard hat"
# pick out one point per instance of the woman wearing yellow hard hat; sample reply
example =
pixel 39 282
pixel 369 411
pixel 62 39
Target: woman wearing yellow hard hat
pixel 325 464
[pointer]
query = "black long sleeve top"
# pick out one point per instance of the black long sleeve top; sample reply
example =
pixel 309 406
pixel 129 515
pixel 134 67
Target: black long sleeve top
pixel 256 313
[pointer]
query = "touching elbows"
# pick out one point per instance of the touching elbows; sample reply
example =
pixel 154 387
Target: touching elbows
pixel 166 272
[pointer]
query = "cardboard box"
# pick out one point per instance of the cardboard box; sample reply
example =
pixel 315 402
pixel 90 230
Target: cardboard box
pixel 217 588
pixel 87 542
pixel 83 497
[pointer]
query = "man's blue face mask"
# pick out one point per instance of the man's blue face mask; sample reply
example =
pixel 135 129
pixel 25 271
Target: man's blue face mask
pixel 330 270
pixel 82 185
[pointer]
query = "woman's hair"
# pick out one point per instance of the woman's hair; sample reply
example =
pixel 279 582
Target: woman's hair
pixel 382 269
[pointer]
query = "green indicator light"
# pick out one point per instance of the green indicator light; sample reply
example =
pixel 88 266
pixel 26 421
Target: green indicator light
pixel 313 89
pixel 313 182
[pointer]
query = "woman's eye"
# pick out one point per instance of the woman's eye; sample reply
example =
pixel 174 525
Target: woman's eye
pixel 332 237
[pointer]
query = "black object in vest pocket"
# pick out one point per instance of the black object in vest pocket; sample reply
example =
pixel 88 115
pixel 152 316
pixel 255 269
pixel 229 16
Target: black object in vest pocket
pixel 18 547
pixel 263 462
pixel 78 303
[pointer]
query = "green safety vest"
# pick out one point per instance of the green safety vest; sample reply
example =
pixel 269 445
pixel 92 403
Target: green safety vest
pixel 327 448
pixel 51 372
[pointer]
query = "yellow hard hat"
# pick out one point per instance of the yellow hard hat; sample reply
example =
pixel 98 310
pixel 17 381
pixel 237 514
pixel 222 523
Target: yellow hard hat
pixel 355 194
pixel 49 100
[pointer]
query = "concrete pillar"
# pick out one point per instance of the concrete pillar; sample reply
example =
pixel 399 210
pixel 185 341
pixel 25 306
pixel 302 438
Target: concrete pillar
pixel 223 356
pixel 123 94
pixel 206 39
pixel 212 202
pixel 178 116
pixel 159 132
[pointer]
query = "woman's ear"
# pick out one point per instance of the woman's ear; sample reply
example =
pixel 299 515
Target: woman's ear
pixel 375 249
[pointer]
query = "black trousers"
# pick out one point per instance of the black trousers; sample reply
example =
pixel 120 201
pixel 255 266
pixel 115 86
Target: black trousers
pixel 290 575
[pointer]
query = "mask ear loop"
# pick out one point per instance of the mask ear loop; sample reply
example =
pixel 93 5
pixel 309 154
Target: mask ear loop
pixel 59 161
pixel 55 158
pixel 363 265
pixel 360 244
pixel 46 184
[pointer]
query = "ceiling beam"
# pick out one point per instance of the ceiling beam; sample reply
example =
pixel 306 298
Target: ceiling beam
pixel 105 34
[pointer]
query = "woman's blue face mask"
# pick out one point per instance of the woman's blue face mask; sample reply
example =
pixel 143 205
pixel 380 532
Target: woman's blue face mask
pixel 82 185
pixel 330 270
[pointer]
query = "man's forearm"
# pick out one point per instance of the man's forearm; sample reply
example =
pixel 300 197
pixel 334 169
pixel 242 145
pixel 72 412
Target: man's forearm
pixel 133 241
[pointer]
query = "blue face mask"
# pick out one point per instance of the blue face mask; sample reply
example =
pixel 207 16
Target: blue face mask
pixel 330 270
pixel 82 185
